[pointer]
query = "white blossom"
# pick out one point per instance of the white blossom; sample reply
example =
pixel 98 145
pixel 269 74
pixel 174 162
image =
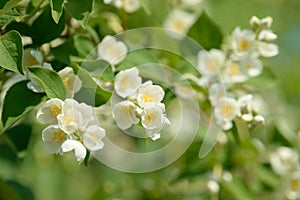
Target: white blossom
pixel 178 21
pixel 126 82
pixel 92 138
pixel 76 148
pixel 53 138
pixel 245 104
pixel 225 111
pixel 75 116
pixel 124 114
pixel 149 95
pixel 48 112
pixel 284 160
pixel 71 82
pixel 252 66
pixel 234 72
pixel 184 91
pixel 153 120
pixel 210 63
pixel 111 50
pixel 242 41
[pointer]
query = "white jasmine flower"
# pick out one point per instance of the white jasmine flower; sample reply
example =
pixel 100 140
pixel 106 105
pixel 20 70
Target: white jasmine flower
pixel 124 114
pixel 242 41
pixel 92 138
pixel 284 160
pixel 49 110
pixel 53 138
pixel 71 82
pixel 149 95
pixel 209 63
pixel 111 50
pixel 234 72
pixel 76 148
pixel 225 111
pixel 178 21
pixel 216 93
pixel 252 66
pixel 75 116
pixel 126 82
pixel 292 190
pixel 153 120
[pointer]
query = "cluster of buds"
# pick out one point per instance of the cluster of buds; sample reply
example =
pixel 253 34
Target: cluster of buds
pixel 141 102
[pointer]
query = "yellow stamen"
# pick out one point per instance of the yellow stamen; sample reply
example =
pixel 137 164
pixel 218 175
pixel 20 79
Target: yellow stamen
pixel 150 117
pixel 66 81
pixel 295 184
pixel 93 135
pixel 147 98
pixel 244 44
pixel 69 120
pixel 55 110
pixel 234 68
pixel 226 110
pixel 178 25
pixel 59 136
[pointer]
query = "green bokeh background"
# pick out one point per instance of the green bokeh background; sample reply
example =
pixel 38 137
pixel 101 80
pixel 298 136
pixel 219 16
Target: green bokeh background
pixel 54 177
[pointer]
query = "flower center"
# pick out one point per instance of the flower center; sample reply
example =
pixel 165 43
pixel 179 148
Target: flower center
pixel 150 117
pixel 66 81
pixel 59 136
pixel 226 110
pixel 178 25
pixel 244 44
pixel 147 98
pixel 112 52
pixel 234 69
pixel 94 136
pixel 69 120
pixel 295 184
pixel 55 110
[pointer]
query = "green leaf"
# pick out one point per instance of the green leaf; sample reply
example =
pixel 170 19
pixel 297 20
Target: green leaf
pixel 8 17
pixel 50 81
pixel 6 5
pixel 8 154
pixel 22 190
pixel 80 10
pixel 56 9
pixel 11 51
pixel 238 189
pixel 19 135
pixel 267 177
pixel 45 29
pixel 206 32
pixel 90 92
pixel 17 102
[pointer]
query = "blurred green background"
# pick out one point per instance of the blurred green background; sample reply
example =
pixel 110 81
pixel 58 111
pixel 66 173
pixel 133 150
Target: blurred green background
pixel 54 177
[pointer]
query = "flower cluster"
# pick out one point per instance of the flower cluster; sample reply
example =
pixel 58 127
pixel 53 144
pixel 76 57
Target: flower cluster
pixel 285 162
pixel 223 70
pixel 73 128
pixel 140 103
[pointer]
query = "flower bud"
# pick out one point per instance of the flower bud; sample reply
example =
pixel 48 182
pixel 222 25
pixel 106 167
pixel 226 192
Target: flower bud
pixel 266 22
pixel 254 22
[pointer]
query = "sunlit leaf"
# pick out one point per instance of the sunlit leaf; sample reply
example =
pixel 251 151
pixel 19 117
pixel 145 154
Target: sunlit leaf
pixel 50 81
pixel 11 51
